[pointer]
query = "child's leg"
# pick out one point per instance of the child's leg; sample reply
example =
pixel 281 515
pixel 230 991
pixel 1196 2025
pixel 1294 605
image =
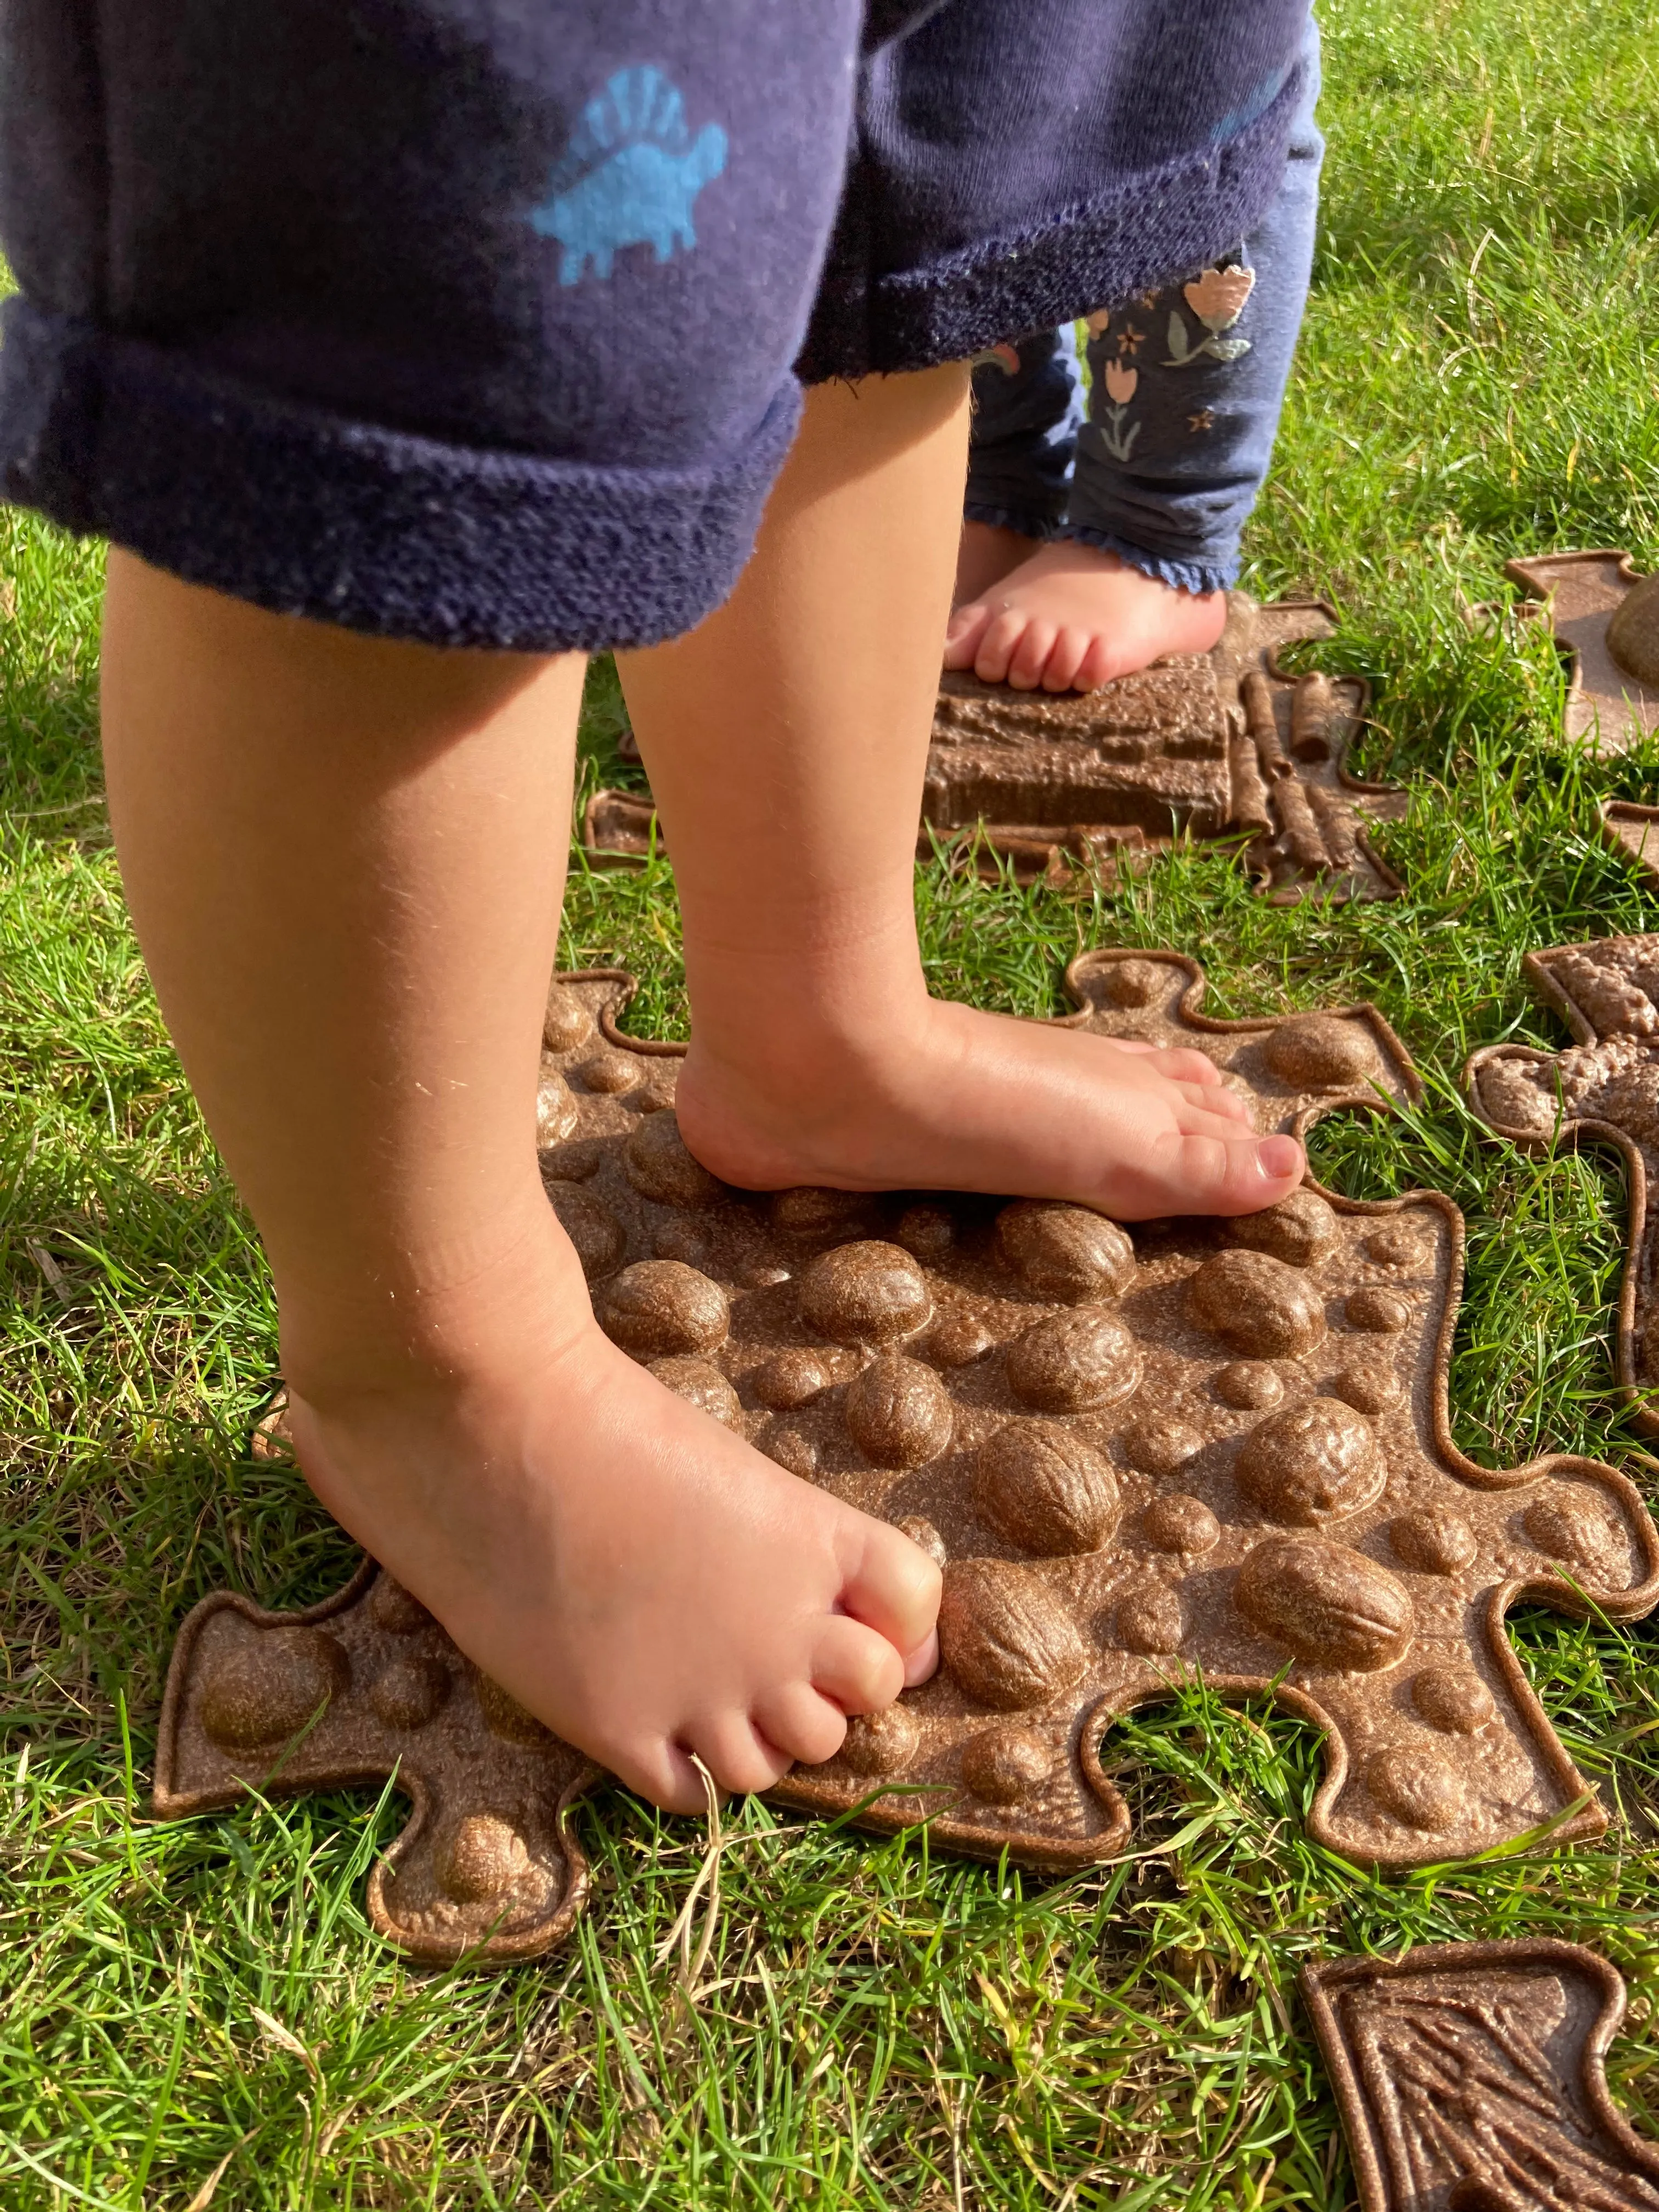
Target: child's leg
pixel 1028 410
pixel 1186 391
pixel 786 754
pixel 344 859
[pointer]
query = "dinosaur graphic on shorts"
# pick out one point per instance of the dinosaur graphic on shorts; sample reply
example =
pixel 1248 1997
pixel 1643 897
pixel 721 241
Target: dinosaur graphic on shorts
pixel 630 176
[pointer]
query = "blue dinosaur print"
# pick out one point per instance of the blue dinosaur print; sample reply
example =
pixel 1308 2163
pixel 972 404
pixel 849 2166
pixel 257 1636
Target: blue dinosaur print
pixel 630 176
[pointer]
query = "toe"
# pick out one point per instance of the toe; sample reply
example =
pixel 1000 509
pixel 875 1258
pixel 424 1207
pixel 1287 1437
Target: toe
pixel 1102 662
pixel 891 1585
pixel 1182 1065
pixel 665 1774
pixel 996 648
pixel 802 1721
pixel 856 1666
pixel 967 626
pixel 1065 659
pixel 1214 1098
pixel 740 1758
pixel 1215 1172
pixel 1031 655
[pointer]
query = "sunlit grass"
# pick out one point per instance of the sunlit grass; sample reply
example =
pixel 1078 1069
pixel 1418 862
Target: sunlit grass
pixel 885 2027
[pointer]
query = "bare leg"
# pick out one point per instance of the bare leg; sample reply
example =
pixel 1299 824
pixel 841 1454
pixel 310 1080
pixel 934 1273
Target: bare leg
pixel 787 740
pixel 344 861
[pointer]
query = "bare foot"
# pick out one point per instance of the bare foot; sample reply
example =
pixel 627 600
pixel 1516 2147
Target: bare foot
pixel 638 1577
pixel 941 1097
pixel 1071 617
pixel 985 555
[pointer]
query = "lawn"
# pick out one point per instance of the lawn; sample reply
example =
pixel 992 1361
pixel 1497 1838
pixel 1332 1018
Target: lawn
pixel 1480 375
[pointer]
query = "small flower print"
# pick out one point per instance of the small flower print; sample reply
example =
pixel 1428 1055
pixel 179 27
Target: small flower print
pixel 1203 419
pixel 1129 339
pixel 1218 297
pixel 1005 356
pixel 1121 382
pixel 1097 322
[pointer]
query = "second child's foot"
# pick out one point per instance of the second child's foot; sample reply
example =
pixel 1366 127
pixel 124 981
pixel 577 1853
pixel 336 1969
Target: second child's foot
pixel 1071 617
pixel 637 1575
pixel 939 1096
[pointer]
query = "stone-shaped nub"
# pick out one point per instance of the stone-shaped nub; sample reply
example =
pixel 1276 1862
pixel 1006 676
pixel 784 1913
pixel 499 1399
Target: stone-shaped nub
pixel 865 1293
pixel 1420 1787
pixel 898 1412
pixel 660 1167
pixel 1570 1525
pixel 1040 1485
pixel 1301 1230
pixel 1633 632
pixel 1179 1523
pixel 1065 1251
pixel 1074 1362
pixel 591 1227
pixel 1006 1764
pixel 409 1692
pixel 566 1022
pixel 556 1110
pixel 882 1743
pixel 1317 1052
pixel 659 1307
pixel 266 1688
pixel 810 1215
pixel 1434 1539
pixel 1316 1461
pixel 1452 1699
pixel 1158 1443
pixel 485 1856
pixel 506 1718
pixel 1257 1304
pixel 702 1386
pixel 1006 1636
pixel 1331 1606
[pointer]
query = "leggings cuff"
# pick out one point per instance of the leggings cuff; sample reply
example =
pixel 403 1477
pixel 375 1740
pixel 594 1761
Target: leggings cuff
pixel 1198 577
pixel 305 512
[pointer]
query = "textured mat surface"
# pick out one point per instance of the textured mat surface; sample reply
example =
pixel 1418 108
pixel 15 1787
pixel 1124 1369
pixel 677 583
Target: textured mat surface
pixel 1216 744
pixel 1470 2078
pixel 1138 1455
pixel 1606 617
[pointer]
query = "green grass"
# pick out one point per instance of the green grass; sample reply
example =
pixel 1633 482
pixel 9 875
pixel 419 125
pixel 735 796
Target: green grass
pixel 883 2028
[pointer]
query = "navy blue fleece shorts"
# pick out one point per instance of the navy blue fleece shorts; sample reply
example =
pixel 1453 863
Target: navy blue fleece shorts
pixel 483 322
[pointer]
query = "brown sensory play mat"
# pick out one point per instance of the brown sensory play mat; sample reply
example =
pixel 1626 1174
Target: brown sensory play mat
pixel 1604 1087
pixel 1604 615
pixel 1215 745
pixel 1471 2078
pixel 1192 1447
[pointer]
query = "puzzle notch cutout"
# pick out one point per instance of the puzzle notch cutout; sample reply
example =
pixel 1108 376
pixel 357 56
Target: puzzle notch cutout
pixel 1605 617
pixel 1220 744
pixel 1200 1448
pixel 1471 2077
pixel 1603 1088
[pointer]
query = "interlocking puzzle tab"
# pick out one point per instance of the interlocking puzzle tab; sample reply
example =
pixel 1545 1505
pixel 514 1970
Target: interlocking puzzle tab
pixel 1604 615
pixel 1471 2077
pixel 1222 744
pixel 1604 1088
pixel 1140 1456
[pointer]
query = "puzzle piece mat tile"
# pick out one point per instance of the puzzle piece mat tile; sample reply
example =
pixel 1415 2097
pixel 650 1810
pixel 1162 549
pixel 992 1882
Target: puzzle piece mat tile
pixel 1603 1088
pixel 1471 2077
pixel 1191 1446
pixel 1604 615
pixel 1217 745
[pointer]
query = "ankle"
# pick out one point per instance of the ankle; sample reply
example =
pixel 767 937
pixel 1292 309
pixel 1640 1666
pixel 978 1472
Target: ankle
pixel 423 1331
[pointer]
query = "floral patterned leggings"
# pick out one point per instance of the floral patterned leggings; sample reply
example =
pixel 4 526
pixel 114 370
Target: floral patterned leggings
pixel 1161 460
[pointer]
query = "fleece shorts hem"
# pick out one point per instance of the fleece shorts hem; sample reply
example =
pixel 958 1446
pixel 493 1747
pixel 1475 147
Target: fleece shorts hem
pixel 304 512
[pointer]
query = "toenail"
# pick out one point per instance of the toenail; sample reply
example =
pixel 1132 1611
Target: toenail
pixel 1279 1155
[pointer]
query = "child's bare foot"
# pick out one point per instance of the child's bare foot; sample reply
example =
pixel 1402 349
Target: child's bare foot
pixel 1071 617
pixel 939 1096
pixel 637 1575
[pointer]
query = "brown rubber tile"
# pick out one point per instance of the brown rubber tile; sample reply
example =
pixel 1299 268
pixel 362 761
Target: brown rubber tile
pixel 1471 2077
pixel 1194 1445
pixel 1605 619
pixel 1206 745
pixel 1603 1089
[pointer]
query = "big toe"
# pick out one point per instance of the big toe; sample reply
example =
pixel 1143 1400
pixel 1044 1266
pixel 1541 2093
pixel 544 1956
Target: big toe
pixel 892 1586
pixel 967 626
pixel 1212 1170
